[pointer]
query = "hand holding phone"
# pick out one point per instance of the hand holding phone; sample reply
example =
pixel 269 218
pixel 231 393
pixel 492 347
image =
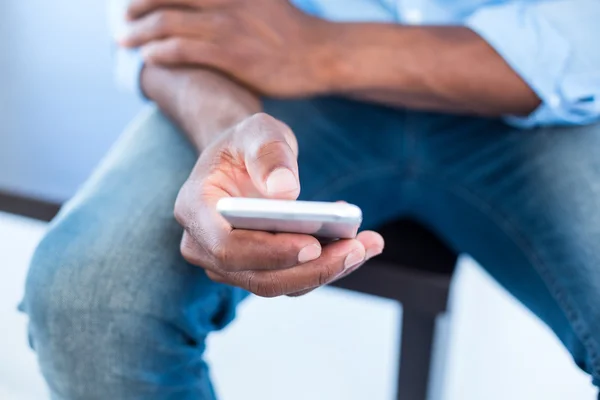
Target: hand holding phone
pixel 257 158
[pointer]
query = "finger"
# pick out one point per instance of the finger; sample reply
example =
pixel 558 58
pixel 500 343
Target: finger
pixel 166 23
pixel 244 250
pixel 185 51
pixel 211 242
pixel 335 259
pixel 373 243
pixel 138 8
pixel 270 156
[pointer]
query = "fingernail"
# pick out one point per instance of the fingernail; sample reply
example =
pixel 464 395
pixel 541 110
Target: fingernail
pixel 309 253
pixel 373 253
pixel 281 180
pixel 353 259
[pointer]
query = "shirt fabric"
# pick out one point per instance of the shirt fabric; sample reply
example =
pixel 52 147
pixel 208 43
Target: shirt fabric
pixel 551 44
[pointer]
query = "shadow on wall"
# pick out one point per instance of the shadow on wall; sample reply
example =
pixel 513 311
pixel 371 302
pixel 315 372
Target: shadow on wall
pixel 59 108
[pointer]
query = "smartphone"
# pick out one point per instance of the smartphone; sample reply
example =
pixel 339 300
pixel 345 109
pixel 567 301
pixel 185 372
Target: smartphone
pixel 320 219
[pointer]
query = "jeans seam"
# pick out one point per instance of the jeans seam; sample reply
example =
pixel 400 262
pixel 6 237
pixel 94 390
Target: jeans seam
pixel 519 238
pixel 411 145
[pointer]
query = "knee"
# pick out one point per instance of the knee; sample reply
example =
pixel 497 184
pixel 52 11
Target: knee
pixel 121 263
pixel 94 258
pixel 95 317
pixel 63 278
pixel 92 346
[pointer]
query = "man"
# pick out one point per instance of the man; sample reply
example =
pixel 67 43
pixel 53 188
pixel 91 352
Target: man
pixel 424 121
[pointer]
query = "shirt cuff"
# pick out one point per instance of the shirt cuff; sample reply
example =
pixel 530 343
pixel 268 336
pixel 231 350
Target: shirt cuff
pixel 128 70
pixel 534 49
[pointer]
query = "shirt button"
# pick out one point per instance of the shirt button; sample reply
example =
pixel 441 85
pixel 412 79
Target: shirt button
pixel 413 16
pixel 554 101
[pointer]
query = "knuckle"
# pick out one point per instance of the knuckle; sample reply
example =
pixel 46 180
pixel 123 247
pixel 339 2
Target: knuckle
pixel 265 291
pixel 179 49
pixel 188 250
pixel 278 286
pixel 283 127
pixel 181 210
pixel 252 285
pixel 220 253
pixel 273 130
pixel 162 22
pixel 261 287
pixel 179 216
pixel 271 148
pixel 179 213
pixel 258 124
pixel 261 118
pixel 326 274
pixel 288 134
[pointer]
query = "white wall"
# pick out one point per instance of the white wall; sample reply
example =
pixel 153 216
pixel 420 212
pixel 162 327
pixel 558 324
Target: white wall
pixel 59 108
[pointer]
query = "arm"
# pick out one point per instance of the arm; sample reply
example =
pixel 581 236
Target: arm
pixel 516 59
pixel 202 103
pixel 448 69
pixel 433 68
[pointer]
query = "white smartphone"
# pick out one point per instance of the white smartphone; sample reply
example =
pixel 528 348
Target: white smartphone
pixel 319 219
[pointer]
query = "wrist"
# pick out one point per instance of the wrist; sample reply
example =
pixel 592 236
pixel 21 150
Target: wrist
pixel 201 103
pixel 323 56
pixel 363 56
pixel 326 61
pixel 210 104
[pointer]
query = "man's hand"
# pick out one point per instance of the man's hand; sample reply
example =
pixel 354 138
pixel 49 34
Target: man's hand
pixel 268 45
pixel 257 158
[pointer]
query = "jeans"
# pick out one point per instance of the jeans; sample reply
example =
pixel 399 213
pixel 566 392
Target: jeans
pixel 115 311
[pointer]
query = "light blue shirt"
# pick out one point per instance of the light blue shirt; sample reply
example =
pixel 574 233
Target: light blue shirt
pixel 554 45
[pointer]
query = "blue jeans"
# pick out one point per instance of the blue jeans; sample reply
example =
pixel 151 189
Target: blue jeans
pixel 115 311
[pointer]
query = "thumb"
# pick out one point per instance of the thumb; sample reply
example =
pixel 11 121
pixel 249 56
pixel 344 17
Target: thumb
pixel 271 157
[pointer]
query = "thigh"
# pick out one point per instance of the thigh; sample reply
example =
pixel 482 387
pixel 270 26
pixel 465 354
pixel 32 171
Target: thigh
pixel 526 205
pixel 350 151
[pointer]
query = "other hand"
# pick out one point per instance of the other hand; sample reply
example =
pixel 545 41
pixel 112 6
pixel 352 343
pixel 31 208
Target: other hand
pixel 268 45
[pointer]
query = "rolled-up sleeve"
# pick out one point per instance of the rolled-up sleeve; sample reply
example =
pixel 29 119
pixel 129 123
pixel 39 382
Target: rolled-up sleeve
pixel 128 62
pixel 553 46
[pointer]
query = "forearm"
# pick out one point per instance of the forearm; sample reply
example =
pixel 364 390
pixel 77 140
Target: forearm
pixel 434 68
pixel 202 103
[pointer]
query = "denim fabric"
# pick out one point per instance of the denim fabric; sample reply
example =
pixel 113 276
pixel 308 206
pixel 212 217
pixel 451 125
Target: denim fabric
pixel 115 312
